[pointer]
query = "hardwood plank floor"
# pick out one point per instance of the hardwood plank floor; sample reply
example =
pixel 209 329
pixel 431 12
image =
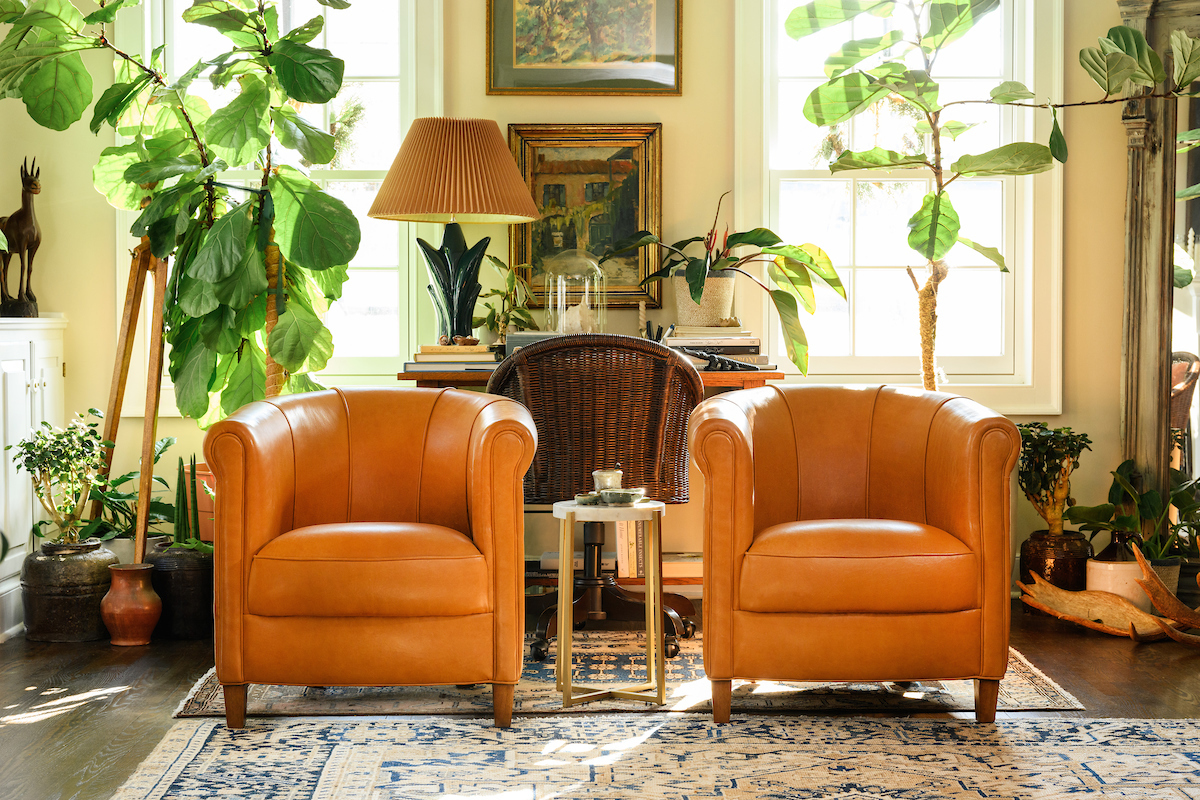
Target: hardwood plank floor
pixel 76 719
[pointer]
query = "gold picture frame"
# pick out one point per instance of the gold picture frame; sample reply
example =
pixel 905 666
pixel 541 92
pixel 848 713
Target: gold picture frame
pixel 594 185
pixel 637 48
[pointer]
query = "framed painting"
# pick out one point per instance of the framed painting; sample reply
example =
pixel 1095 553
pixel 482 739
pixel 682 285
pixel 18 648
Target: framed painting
pixel 598 47
pixel 594 185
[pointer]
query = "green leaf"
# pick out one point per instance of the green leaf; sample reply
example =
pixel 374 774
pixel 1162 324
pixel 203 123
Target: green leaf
pixel 218 331
pixel 59 17
pixel 877 158
pixel 197 298
pixel 247 381
pixel 298 336
pixel 335 3
pixel 1058 143
pixel 306 73
pixel 793 332
pixel 1018 158
pixel 821 14
pixel 3 241
pixel 1108 70
pixel 629 244
pixel 57 94
pixel 841 98
pixel 239 130
pixel 247 281
pixel 1183 277
pixel 817 260
pixel 955 129
pixel 145 172
pixel 950 21
pixel 1189 193
pixel 696 273
pixel 109 12
pixel 991 253
pixel 11 11
pixel 219 14
pixel 1132 43
pixel 299 383
pixel 759 237
pixel 224 246
pixel 191 380
pixel 108 176
pixel 915 86
pixel 163 204
pixel 331 281
pixel 1187 59
pixel 296 133
pixel 115 100
pixel 313 229
pixel 854 52
pixel 792 277
pixel 306 32
pixel 1011 91
pixel 933 230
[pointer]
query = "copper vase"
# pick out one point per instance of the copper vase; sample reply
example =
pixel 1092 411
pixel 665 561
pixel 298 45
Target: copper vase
pixel 131 608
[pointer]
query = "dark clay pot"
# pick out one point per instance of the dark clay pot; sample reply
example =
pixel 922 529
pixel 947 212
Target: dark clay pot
pixel 183 578
pixel 131 608
pixel 61 589
pixel 1062 559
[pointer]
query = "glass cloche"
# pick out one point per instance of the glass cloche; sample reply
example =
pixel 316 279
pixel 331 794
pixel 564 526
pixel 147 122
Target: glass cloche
pixel 576 293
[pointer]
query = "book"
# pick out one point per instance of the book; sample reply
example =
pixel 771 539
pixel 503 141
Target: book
pixel 683 565
pixel 682 331
pixel 549 561
pixel 712 341
pixel 721 349
pixel 640 544
pixel 701 364
pixel 453 358
pixel 455 348
pixel 450 366
pixel 623 550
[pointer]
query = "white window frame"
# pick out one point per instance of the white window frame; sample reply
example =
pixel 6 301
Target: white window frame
pixel 1028 379
pixel 144 27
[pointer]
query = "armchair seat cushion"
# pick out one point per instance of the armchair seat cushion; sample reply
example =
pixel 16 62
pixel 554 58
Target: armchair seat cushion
pixel 858 566
pixel 369 569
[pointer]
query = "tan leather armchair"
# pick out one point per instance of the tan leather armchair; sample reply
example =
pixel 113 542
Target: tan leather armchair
pixel 370 537
pixel 854 534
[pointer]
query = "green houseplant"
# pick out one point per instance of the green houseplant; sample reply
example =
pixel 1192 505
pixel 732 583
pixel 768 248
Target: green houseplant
pixel 183 567
pixel 1048 457
pixel 252 268
pixel 509 308
pixel 899 66
pixel 119 507
pixel 790 267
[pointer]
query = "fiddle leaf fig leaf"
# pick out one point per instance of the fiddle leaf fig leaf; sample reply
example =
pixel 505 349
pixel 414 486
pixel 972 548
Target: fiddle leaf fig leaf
pixel 915 86
pixel 58 93
pixel 248 379
pixel 301 382
pixel 224 246
pixel 955 129
pixel 219 14
pixel 1182 277
pixel 246 282
pixel 306 32
pixel 298 336
pixel 306 73
pixel 933 230
pixel 239 130
pixel 59 17
pixel 821 14
pixel 1011 91
pixel 877 158
pixel 108 176
pixel 1187 59
pixel 11 10
pixel 841 98
pixel 1018 158
pixel 331 281
pixel 108 13
pixel 1108 70
pixel 312 229
pixel 192 378
pixel 1058 143
pixel 950 21
pixel 115 100
pixel 852 53
pixel 990 253
pixel 793 332
pixel 1132 43
pixel 335 3
pixel 161 169
pixel 197 297
pixel 296 133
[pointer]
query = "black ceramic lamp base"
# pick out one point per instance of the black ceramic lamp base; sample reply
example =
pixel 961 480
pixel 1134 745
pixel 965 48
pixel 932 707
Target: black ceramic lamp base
pixel 454 269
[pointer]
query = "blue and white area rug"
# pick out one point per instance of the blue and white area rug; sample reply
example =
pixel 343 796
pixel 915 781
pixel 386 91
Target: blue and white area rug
pixel 618 657
pixel 671 756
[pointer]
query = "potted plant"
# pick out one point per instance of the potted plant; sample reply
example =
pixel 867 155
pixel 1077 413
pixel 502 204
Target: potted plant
pixel 63 583
pixel 183 567
pixel 790 267
pixel 119 508
pixel 510 307
pixel 1048 457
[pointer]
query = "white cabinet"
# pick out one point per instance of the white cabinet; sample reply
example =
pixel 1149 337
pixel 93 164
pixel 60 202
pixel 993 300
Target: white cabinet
pixel 31 390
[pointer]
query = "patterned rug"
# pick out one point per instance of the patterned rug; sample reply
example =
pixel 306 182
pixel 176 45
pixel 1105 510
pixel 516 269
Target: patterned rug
pixel 675 756
pixel 618 657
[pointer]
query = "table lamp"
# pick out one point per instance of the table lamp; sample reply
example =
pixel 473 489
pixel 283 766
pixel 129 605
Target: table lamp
pixel 454 171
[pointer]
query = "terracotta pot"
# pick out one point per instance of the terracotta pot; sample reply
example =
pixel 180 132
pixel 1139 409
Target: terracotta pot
pixel 204 504
pixel 131 608
pixel 1061 559
pixel 61 589
pixel 183 579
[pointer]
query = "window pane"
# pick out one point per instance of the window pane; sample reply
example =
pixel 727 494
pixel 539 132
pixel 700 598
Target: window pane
pixel 884 208
pixel 366 320
pixel 885 314
pixel 798 143
pixel 294 13
pixel 889 124
pixel 980 206
pixel 806 57
pixel 380 246
pixel 817 212
pixel 980 52
pixel 985 136
pixel 971 313
pixel 828 330
pixel 365 118
pixel 366 36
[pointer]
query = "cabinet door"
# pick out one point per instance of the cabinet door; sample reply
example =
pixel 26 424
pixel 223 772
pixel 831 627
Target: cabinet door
pixel 49 394
pixel 16 496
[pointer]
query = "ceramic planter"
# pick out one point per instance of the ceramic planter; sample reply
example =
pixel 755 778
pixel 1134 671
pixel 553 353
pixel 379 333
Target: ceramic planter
pixel 131 608
pixel 1119 578
pixel 61 589
pixel 1167 570
pixel 1189 589
pixel 183 578
pixel 716 305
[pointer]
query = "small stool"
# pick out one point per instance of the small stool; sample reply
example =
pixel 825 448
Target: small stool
pixel 570 512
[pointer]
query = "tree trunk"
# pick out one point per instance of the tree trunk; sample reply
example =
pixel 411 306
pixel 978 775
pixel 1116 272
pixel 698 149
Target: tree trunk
pixel 276 375
pixel 927 314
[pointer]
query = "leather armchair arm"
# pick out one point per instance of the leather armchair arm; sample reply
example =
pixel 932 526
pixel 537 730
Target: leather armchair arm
pixel 721 443
pixel 503 441
pixel 254 501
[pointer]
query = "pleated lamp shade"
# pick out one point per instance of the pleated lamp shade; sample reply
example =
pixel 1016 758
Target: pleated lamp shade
pixel 454 170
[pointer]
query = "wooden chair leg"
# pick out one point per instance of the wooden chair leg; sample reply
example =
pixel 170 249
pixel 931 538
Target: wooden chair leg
pixel 722 698
pixel 235 704
pixel 502 703
pixel 987 694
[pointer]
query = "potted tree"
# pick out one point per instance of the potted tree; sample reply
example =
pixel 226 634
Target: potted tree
pixel 183 568
pixel 64 581
pixel 1048 457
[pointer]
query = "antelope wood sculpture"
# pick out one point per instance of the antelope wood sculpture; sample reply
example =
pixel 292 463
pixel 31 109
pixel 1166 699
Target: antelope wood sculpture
pixel 24 238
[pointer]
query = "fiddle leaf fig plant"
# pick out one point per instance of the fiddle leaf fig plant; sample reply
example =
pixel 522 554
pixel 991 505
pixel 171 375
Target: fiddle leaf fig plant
pixel 253 268
pixel 899 67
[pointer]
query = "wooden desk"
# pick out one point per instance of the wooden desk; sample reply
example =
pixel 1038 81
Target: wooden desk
pixel 732 380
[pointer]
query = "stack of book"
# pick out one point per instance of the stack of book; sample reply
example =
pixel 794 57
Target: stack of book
pixel 631 559
pixel 737 344
pixel 453 358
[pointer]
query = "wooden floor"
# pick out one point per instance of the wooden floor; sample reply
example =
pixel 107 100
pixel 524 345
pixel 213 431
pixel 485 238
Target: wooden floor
pixel 75 720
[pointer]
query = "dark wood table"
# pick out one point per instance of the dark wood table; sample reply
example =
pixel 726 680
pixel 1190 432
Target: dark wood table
pixel 731 380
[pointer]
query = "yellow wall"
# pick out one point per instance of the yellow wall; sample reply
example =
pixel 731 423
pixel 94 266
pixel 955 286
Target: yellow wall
pixel 76 275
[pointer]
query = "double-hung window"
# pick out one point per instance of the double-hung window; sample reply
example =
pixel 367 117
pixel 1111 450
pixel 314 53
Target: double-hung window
pixel 997 333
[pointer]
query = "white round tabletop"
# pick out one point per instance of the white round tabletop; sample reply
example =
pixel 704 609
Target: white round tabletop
pixel 645 509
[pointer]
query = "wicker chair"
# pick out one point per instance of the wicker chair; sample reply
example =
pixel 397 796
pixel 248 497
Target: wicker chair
pixel 598 400
pixel 1185 369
